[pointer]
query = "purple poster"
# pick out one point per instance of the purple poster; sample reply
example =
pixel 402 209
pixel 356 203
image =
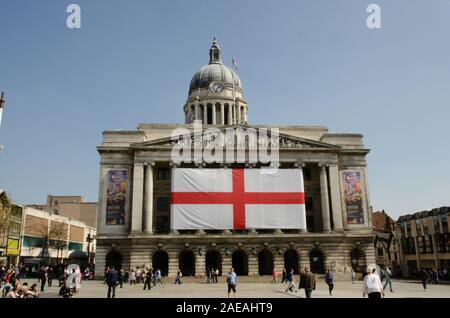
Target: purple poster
pixel 115 197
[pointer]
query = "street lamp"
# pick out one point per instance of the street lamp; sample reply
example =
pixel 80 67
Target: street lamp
pixel 2 102
pixel 89 239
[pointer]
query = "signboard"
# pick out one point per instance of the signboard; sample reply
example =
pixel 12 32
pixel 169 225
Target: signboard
pixel 353 196
pixel 13 247
pixel 115 197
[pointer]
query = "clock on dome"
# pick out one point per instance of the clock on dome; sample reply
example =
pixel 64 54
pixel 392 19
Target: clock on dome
pixel 217 87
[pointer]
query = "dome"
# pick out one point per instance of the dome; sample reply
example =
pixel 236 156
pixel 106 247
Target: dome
pixel 216 72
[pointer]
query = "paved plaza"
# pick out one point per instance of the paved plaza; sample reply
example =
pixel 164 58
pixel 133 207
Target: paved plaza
pixel 96 289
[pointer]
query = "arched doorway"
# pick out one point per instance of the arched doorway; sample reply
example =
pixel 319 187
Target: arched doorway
pixel 265 262
pixel 114 258
pixel 316 261
pixel 357 259
pixel 291 260
pixel 187 263
pixel 240 262
pixel 213 260
pixel 160 260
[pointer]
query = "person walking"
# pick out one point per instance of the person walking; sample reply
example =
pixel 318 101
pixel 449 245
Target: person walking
pixel 424 277
pixel 232 282
pixel 353 276
pixel 133 277
pixel 387 279
pixel 308 282
pixel 283 276
pixel 121 277
pixel 50 276
pixel 274 275
pixel 112 279
pixel 291 281
pixel 372 286
pixel 178 277
pixel 43 278
pixel 216 274
pixel 329 280
pixel 148 280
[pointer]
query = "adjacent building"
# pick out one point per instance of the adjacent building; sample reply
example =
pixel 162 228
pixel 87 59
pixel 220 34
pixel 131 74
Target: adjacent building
pixel 74 207
pixel 386 243
pixel 424 240
pixel 53 239
pixel 11 215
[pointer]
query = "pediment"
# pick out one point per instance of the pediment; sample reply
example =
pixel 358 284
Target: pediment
pixel 285 141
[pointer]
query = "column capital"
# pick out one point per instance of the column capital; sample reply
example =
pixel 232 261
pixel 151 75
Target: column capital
pixel 322 165
pixel 299 165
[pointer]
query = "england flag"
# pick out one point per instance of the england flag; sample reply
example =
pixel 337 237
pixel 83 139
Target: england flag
pixel 237 199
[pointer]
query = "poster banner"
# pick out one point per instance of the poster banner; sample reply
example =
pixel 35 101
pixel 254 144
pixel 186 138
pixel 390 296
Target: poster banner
pixel 13 247
pixel 115 197
pixel 353 196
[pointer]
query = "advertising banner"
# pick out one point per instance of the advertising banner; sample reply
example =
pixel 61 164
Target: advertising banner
pixel 115 197
pixel 353 196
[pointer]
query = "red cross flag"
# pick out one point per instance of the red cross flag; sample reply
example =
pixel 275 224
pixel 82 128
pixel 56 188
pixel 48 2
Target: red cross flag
pixel 237 199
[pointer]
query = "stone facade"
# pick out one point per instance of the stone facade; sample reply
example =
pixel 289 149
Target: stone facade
pixel 334 239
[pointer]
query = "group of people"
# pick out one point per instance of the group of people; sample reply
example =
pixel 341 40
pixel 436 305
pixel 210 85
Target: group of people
pixel 211 275
pixel 307 280
pixel 114 278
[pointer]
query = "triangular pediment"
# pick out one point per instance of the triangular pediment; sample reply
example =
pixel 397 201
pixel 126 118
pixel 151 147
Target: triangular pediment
pixel 285 141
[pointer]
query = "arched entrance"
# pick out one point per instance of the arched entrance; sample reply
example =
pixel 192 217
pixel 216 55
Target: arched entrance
pixel 160 260
pixel 316 261
pixel 239 260
pixel 114 258
pixel 357 258
pixel 187 263
pixel 213 260
pixel 265 262
pixel 291 260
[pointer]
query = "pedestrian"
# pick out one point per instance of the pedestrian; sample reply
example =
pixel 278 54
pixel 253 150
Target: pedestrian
pixel 133 277
pixel 50 276
pixel 291 281
pixel 387 279
pixel 120 274
pixel 64 291
pixel 274 275
pixel 112 279
pixel 43 278
pixel 329 280
pixel 232 282
pixel 283 276
pixel 308 282
pixel 353 276
pixel 216 274
pixel 372 286
pixel 148 280
pixel 178 277
pixel 424 277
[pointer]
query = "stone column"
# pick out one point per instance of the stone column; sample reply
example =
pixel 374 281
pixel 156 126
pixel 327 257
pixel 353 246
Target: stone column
pixel 222 114
pixel 234 114
pixel 230 114
pixel 335 193
pixel 300 166
pixel 173 263
pixel 213 109
pixel 324 198
pixel 205 114
pixel 138 190
pixel 199 264
pixel 252 264
pixel 197 114
pixel 238 107
pixel 148 199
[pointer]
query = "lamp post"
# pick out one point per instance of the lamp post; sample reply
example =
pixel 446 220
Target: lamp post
pixel 2 102
pixel 89 240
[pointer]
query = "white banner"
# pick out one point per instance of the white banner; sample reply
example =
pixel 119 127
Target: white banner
pixel 237 199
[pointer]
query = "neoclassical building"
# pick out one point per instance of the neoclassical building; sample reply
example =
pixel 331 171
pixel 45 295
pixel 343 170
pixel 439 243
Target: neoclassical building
pixel 133 221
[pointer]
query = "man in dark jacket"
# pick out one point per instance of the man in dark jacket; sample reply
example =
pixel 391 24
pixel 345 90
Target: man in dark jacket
pixel 112 278
pixel 308 282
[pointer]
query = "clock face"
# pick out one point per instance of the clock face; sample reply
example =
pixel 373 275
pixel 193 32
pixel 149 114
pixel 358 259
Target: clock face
pixel 217 87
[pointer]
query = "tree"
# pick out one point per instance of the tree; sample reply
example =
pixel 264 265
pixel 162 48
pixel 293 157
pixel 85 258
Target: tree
pixel 5 214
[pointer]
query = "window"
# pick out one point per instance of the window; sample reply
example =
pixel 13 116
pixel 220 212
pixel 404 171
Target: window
pixel 419 227
pixel 309 204
pixel 444 219
pixel 163 174
pixel 437 227
pixel 56 202
pixel 380 251
pixel 307 174
pixel 162 204
pixel 421 242
pixel 162 224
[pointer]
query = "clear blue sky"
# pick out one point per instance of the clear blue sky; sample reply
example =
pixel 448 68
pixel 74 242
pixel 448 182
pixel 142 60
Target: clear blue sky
pixel 301 62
